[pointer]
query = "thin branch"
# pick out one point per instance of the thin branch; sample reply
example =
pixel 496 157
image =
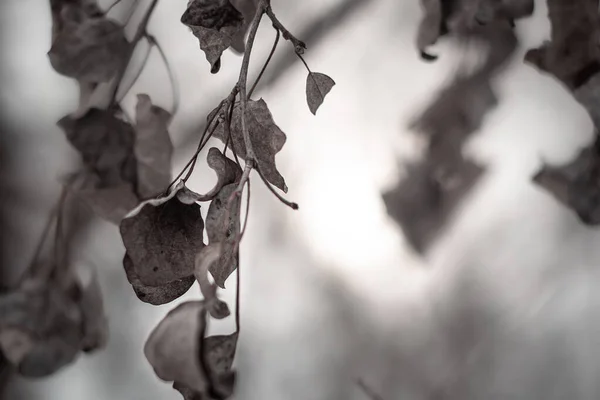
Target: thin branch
pixel 137 74
pixel 299 46
pixel 370 393
pixel 109 8
pixel 304 62
pixel 170 72
pixel 262 71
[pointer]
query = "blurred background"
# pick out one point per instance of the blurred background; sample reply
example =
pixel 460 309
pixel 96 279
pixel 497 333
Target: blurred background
pixel 505 306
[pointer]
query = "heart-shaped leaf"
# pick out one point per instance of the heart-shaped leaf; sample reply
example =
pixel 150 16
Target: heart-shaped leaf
pixel 317 87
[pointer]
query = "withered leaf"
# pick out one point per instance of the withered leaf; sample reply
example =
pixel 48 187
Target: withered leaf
pixel 215 23
pixel 206 258
pixel 317 87
pixel 156 295
pixel 228 171
pixel 162 237
pixel 153 148
pixel 174 346
pixel 576 184
pixel 266 137
pixel 88 48
pixel 110 203
pixel 105 143
pixel 43 327
pixel 223 226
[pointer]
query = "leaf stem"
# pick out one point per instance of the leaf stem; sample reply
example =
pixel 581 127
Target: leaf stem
pixel 262 71
pixel 170 72
pixel 292 205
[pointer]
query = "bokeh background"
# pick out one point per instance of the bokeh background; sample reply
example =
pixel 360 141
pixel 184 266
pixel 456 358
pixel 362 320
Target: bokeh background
pixel 505 306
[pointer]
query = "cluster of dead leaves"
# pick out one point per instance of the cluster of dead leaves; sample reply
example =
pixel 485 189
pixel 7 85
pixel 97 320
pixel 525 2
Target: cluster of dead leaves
pixel 46 322
pixel 573 57
pixel 425 199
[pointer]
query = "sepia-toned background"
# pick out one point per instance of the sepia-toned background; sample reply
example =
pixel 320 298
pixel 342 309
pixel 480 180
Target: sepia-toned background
pixel 505 306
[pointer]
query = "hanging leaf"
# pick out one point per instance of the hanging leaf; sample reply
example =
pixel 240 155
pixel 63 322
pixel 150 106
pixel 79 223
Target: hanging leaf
pixel 223 226
pixel 88 48
pixel 105 143
pixel 228 171
pixel 156 295
pixel 174 346
pixel 204 260
pixel 215 23
pixel 219 353
pixel 153 148
pixel 317 87
pixel 162 237
pixel 44 326
pixel 266 137
pixel 109 203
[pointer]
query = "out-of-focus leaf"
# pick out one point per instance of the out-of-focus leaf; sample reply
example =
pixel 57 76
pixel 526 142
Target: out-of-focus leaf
pixel 95 322
pixel 174 346
pixel 105 143
pixel 162 237
pixel 223 226
pixel 88 48
pixel 215 23
pixel 317 87
pixel 266 137
pixel 156 295
pixel 207 257
pixel 153 148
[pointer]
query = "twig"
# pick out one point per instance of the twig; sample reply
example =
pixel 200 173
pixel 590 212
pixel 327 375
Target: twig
pixel 292 205
pixel 299 46
pixel 170 72
pixel 367 390
pixel 262 71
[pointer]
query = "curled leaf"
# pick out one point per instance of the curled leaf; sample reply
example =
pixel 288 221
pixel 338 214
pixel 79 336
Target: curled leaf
pixel 161 238
pixel 228 171
pixel 266 137
pixel 317 87
pixel 88 48
pixel 174 346
pixel 208 256
pixel 153 148
pixel 215 23
pixel 223 226
pixel 156 295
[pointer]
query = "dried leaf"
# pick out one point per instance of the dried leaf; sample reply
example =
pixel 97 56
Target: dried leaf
pixel 105 143
pixel 174 346
pixel 109 203
pixel 156 295
pixel 88 48
pixel 162 237
pixel 228 171
pixel 207 257
pixel 153 148
pixel 223 226
pixel 317 87
pixel 215 23
pixel 266 137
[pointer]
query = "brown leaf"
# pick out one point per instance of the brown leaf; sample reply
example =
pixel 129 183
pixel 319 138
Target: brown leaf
pixel 206 258
pixel 105 143
pixel 215 23
pixel 88 48
pixel 266 137
pixel 153 148
pixel 223 226
pixel 156 295
pixel 174 346
pixel 228 171
pixel 317 87
pixel 162 237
